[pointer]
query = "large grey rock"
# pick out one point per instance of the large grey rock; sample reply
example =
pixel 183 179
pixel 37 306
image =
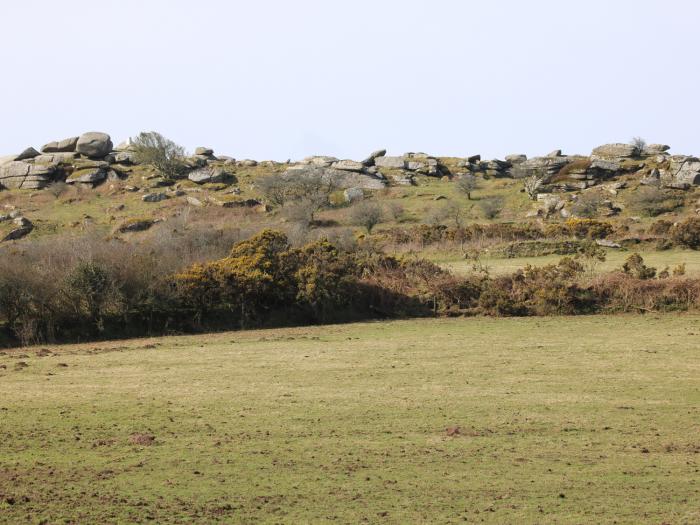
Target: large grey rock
pixel 516 158
pixel 94 144
pixel 154 197
pixel 369 161
pixel 22 175
pixel 685 169
pixel 353 194
pixel 348 165
pixel 390 162
pixel 125 157
pixel 91 175
pixel 138 225
pixel 27 154
pixel 18 233
pixel 544 167
pixel 615 151
pixel 655 149
pixel 55 159
pixel 206 152
pixel 204 175
pixel 61 146
pixel 605 165
pixel 320 161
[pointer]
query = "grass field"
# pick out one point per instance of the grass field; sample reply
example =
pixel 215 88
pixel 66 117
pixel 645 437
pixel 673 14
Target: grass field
pixel 562 420
pixel 614 260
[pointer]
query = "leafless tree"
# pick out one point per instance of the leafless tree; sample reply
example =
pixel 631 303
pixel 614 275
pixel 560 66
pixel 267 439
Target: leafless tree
pixel 467 183
pixel 367 214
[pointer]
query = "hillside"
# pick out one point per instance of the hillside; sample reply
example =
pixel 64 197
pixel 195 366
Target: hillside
pixel 87 182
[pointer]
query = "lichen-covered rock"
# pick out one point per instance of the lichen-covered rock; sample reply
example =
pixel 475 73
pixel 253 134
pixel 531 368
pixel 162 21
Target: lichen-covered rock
pixel 655 149
pixel 125 157
pixel 516 158
pixel 615 151
pixel 61 146
pixel 348 165
pixel 390 162
pixel 205 152
pixel 206 175
pixel 94 144
pixel 90 175
pixel 54 159
pixel 155 197
pixel 23 175
pixel 685 170
pixel 353 194
pixel 320 161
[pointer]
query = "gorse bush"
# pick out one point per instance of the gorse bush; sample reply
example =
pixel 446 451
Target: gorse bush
pixel 87 288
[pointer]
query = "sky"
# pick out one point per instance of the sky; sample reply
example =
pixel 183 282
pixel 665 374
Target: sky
pixel 279 79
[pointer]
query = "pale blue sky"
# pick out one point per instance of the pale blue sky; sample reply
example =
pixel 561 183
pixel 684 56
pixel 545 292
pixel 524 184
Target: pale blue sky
pixel 278 79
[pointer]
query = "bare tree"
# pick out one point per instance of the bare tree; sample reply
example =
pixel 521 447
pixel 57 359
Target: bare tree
pixel 167 157
pixel 455 212
pixel 639 144
pixel 467 183
pixel 302 194
pixel 367 214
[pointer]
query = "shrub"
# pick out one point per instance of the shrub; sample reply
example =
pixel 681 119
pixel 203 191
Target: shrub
pixel 580 228
pixel 639 144
pixel 587 205
pixel 652 201
pixel 687 233
pixel 634 266
pixel 367 214
pixel 167 157
pixel 491 207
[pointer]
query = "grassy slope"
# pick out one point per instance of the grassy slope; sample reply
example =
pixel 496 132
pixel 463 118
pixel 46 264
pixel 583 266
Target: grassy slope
pixel 347 423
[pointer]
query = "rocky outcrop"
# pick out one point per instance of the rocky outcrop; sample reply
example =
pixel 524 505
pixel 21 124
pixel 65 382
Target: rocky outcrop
pixel 340 178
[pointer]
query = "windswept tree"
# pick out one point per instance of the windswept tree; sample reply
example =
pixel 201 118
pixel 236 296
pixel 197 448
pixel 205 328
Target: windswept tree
pixel 532 185
pixel 467 183
pixel 167 157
